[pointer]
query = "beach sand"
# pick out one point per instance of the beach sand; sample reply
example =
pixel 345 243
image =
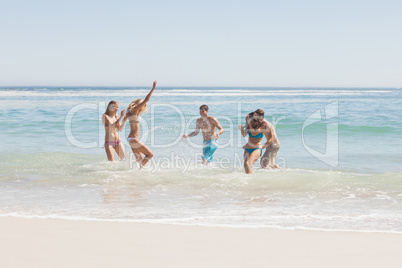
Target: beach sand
pixel 65 243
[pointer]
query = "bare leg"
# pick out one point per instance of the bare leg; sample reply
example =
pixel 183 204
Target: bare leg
pixel 250 159
pixel 148 155
pixel 109 152
pixel 272 160
pixel 140 148
pixel 120 151
pixel 138 156
pixel 247 167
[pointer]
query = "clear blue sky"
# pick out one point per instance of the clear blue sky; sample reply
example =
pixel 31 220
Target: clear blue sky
pixel 201 43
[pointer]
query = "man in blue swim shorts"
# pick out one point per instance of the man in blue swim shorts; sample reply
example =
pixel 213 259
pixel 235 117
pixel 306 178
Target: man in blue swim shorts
pixel 207 125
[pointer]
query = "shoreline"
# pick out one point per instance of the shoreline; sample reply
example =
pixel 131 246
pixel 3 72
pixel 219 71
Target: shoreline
pixel 157 222
pixel 80 243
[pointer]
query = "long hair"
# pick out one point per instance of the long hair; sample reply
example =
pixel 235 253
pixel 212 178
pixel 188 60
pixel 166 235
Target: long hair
pixel 110 104
pixel 131 107
pixel 254 120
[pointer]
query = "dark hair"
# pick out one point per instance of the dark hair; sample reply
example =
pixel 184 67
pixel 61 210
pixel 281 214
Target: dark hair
pixel 254 120
pixel 204 107
pixel 260 112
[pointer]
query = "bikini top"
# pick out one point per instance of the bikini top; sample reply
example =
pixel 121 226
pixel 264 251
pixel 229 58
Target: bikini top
pixel 258 136
pixel 138 119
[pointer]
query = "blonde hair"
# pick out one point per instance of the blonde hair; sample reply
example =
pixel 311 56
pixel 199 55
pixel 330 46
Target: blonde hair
pixel 110 104
pixel 131 107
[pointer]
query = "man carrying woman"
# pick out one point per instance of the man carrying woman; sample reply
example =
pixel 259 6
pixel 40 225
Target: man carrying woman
pixel 256 128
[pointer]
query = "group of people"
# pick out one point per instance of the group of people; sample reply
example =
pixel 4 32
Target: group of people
pixel 256 128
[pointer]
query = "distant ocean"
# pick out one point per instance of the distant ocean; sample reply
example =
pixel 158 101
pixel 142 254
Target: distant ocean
pixel 340 158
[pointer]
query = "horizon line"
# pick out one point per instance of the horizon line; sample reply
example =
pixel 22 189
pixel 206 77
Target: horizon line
pixel 108 86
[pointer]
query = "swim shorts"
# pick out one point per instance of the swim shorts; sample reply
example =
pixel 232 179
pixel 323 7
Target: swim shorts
pixel 270 153
pixel 209 148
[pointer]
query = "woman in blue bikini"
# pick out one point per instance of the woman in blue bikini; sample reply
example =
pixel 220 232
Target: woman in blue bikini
pixel 111 121
pixel 253 148
pixel 134 112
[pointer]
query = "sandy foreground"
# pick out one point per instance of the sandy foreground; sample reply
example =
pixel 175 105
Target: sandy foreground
pixel 63 243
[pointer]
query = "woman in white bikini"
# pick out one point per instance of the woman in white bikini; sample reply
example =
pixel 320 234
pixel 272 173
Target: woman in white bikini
pixel 111 121
pixel 134 112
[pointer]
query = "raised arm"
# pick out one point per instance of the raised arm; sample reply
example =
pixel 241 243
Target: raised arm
pixel 243 129
pixel 147 97
pixel 107 120
pixel 121 125
pixel 243 133
pixel 195 132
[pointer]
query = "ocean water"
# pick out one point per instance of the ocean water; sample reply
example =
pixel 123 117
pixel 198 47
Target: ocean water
pixel 340 158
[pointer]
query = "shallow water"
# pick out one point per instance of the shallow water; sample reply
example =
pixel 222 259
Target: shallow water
pixel 340 158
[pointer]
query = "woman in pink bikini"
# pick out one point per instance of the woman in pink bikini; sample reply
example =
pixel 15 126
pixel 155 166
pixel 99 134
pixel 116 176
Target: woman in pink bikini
pixel 111 121
pixel 134 112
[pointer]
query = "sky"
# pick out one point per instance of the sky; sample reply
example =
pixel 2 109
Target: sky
pixel 283 43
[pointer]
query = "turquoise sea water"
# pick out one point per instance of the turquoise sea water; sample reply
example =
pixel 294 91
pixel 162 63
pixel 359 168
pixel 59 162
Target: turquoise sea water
pixel 340 158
